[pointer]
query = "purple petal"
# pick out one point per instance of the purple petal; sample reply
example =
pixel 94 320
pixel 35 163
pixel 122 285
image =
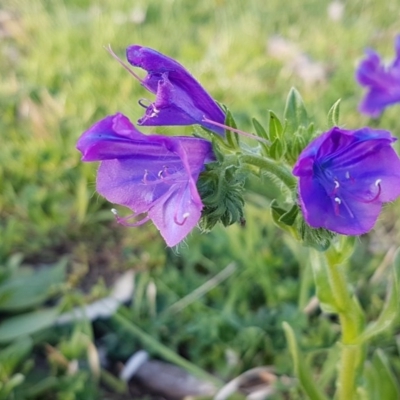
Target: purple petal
pixel 180 99
pixel 345 176
pixel 149 174
pixel 322 211
pixel 113 137
pixel 382 83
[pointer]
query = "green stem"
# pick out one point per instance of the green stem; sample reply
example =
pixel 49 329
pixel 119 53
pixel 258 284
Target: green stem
pixel 348 315
pixel 281 171
pixel 350 356
pixel 164 351
pixel 351 324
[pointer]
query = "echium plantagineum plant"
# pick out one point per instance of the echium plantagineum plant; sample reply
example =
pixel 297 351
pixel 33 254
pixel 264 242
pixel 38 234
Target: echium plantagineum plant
pixel 335 184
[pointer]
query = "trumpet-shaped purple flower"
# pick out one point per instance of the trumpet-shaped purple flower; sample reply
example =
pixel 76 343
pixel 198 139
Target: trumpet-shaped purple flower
pixel 180 99
pixel 154 175
pixel 382 82
pixel 345 176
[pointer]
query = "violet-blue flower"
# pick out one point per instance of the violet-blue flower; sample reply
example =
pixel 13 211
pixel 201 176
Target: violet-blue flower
pixel 345 176
pixel 180 99
pixel 154 175
pixel 382 82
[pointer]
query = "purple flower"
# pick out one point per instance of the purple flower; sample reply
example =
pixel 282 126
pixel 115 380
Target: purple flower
pixel 345 176
pixel 180 99
pixel 382 82
pixel 154 175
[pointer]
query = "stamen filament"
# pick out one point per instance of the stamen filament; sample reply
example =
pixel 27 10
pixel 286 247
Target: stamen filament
pixel 109 50
pixel 229 128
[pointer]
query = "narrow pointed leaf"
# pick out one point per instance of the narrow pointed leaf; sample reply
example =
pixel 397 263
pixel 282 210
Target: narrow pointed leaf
pixel 391 308
pixel 261 132
pixel 333 114
pixel 388 388
pixel 322 282
pixel 27 324
pixel 301 369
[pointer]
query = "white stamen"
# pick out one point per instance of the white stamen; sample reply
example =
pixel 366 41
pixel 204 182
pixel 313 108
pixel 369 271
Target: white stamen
pixel 146 173
pixel 160 174
pixel 338 200
pixel 114 211
pixel 155 112
pixel 347 175
pixel 377 182
pixel 185 215
pixel 336 184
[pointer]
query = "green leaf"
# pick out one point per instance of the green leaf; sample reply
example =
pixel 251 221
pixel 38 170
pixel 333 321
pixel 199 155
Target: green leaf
pixel 13 354
pixel 322 282
pixel 26 324
pixel 295 112
pixel 29 287
pixel 333 114
pixel 275 127
pixel 301 369
pixel 391 307
pixel 380 380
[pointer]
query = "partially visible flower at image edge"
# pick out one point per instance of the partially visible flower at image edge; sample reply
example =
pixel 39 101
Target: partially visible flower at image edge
pixel 180 99
pixel 153 175
pixel 382 82
pixel 345 176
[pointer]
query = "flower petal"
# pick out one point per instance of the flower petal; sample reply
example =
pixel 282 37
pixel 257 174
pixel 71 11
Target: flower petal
pixel 345 176
pixel 180 99
pixel 383 83
pixel 149 174
pixel 322 211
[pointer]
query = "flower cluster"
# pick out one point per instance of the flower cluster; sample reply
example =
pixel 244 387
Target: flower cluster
pixel 155 176
pixel 344 176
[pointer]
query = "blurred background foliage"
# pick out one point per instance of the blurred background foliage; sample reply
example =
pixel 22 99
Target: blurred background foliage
pixel 59 244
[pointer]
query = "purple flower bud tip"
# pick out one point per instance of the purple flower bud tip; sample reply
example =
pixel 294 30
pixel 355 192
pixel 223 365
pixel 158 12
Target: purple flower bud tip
pixel 345 176
pixel 180 99
pixel 382 82
pixel 154 175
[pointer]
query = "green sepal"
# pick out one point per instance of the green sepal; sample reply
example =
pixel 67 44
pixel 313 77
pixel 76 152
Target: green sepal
pixel 296 145
pixel 295 114
pixel 221 188
pixel 391 307
pixel 333 114
pixel 318 238
pixel 276 214
pixel 277 149
pixel 283 216
pixel 275 130
pixel 301 369
pixel 232 138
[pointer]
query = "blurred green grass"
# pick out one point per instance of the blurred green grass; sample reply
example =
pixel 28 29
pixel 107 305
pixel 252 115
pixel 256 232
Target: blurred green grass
pixel 57 80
